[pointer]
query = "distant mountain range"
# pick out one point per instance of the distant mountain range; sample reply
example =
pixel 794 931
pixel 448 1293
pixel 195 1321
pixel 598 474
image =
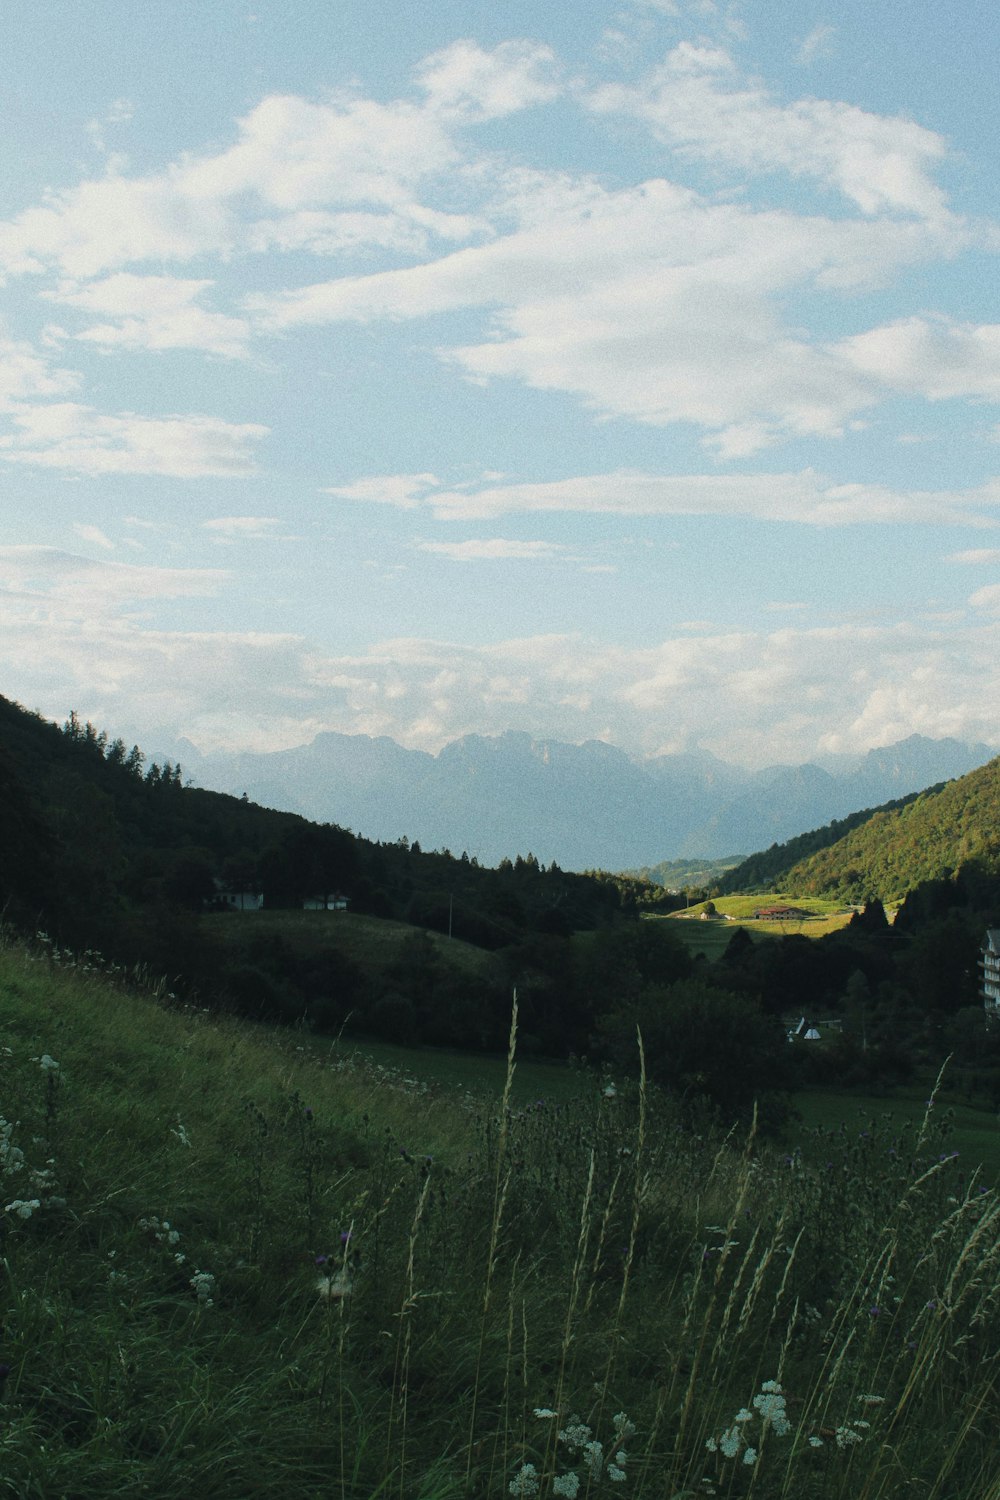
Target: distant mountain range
pixel 584 806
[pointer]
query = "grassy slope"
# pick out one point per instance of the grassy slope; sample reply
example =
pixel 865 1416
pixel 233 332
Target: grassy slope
pixel 710 937
pixel 558 1258
pixel 370 942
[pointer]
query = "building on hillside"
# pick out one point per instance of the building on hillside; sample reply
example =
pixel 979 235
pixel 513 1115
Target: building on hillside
pixel 805 1031
pixel 233 898
pixel 335 902
pixel 989 963
pixel 780 914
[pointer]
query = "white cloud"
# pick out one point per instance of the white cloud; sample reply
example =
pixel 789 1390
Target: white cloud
pixel 64 435
pixel 402 490
pixel 27 374
pixel 228 529
pixel 74 638
pixel 806 498
pixel 471 83
pixel 291 157
pixel 696 104
pixel 69 584
pixel 494 549
pixel 986 599
pixel 153 312
pixel 649 303
pixel 95 535
pixel 937 358
pixel 818 43
pixel 977 556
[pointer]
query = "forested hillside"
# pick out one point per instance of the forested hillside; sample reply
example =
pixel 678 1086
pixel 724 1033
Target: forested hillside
pixel 932 837
pixel 770 869
pixel 106 852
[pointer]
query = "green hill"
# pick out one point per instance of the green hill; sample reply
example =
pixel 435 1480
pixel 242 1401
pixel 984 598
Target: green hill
pixel 768 870
pixel 930 838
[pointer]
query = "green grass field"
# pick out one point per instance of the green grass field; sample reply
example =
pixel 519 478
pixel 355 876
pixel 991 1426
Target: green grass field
pixel 709 935
pixel 246 1262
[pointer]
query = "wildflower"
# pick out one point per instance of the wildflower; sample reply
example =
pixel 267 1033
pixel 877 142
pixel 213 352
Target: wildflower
pixel 543 1411
pixel 566 1484
pixel 525 1482
pixel 23 1207
pixel 616 1474
pixel 575 1435
pixel 48 1064
pixel 594 1453
pixel 750 1456
pixel 181 1134
pixel 815 1442
pixel 623 1427
pixel 203 1285
pixel 771 1406
pixel 610 1091
pixel 729 1442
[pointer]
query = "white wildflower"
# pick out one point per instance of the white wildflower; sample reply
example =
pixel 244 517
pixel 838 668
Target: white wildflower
pixel 575 1435
pixel 616 1474
pixel 23 1207
pixel 203 1285
pixel 594 1454
pixel 730 1442
pixel 815 1442
pixel 525 1482
pixel 543 1411
pixel 750 1456
pixel 566 1484
pixel 48 1064
pixel 623 1427
pixel 181 1134
pixel 771 1406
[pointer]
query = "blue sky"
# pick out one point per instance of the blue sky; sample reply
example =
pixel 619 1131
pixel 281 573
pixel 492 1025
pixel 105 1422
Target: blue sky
pixel 622 371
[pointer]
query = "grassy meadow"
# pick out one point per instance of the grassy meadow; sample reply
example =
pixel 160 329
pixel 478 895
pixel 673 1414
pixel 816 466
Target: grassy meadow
pixel 240 1262
pixel 709 935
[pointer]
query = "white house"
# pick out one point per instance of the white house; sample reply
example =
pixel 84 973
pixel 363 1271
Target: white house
pixel 989 962
pixel 233 898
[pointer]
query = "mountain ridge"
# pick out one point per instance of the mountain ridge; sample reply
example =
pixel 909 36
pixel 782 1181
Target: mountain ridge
pixel 589 805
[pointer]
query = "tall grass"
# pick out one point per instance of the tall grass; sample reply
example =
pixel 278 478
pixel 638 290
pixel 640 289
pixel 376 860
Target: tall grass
pixel 251 1270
